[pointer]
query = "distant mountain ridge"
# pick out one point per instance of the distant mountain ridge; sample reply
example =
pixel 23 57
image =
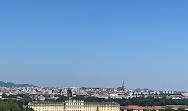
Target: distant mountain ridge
pixel 10 84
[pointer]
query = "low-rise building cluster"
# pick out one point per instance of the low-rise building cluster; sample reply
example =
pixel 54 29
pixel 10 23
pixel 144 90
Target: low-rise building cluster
pixel 42 93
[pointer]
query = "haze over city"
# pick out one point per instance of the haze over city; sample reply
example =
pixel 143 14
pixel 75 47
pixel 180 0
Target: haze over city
pixel 95 43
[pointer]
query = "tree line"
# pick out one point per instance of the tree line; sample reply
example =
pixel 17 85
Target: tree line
pixel 14 105
pixel 132 101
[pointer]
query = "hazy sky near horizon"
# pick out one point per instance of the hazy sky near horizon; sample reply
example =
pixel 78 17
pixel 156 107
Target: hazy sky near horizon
pixel 95 43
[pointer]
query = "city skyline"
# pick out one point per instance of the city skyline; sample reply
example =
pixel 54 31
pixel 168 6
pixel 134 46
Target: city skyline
pixel 95 43
pixel 17 85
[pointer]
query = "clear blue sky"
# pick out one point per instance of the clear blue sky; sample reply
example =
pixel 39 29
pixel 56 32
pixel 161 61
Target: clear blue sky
pixel 95 43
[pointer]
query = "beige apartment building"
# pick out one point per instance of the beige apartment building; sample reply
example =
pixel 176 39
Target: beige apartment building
pixel 74 105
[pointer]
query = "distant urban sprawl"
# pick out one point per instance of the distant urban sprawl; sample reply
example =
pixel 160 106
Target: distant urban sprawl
pixel 39 93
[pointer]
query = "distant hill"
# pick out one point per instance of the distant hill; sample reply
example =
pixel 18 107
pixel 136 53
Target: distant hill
pixel 10 84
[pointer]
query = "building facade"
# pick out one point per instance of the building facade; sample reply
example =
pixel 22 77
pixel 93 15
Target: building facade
pixel 74 105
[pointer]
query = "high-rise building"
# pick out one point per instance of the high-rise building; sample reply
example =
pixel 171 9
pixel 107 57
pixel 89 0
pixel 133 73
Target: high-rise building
pixel 69 93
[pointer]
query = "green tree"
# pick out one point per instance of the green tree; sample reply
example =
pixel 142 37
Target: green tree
pixel 4 95
pixel 181 109
pixel 3 107
pixel 13 106
pixel 169 109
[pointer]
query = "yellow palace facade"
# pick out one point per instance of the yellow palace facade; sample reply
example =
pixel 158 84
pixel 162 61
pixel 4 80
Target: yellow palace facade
pixel 74 105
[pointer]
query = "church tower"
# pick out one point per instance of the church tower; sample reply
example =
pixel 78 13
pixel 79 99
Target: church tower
pixel 123 86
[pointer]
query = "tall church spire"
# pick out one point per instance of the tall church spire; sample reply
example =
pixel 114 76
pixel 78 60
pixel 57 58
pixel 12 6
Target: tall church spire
pixel 123 85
